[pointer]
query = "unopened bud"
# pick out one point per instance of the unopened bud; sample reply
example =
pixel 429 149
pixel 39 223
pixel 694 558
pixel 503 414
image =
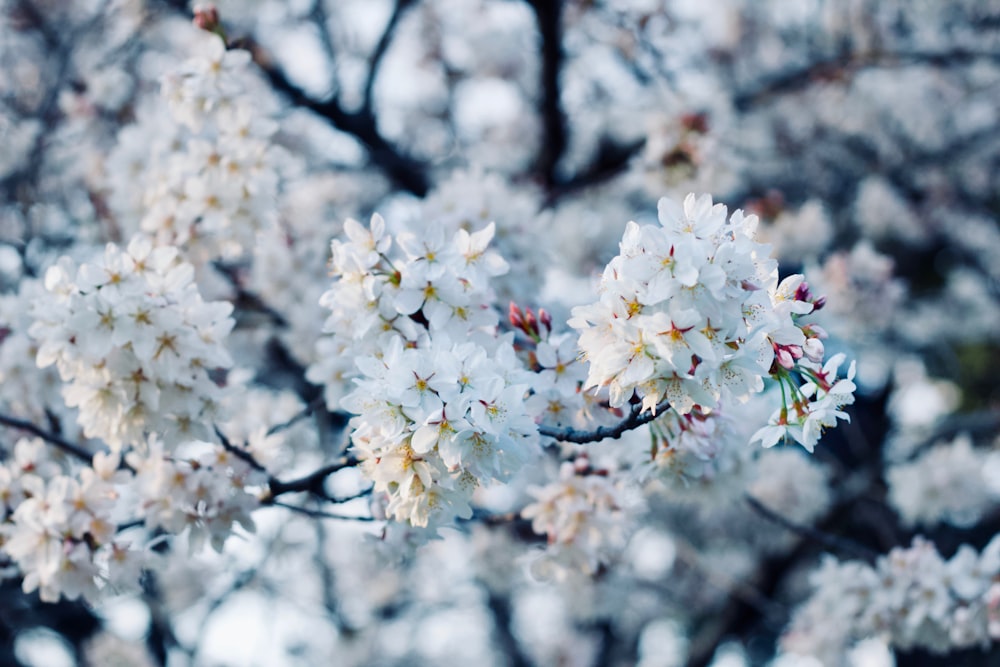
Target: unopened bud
pixel 515 316
pixel 545 318
pixel 206 17
pixel 695 122
pixel 819 303
pixel 531 323
pixel 814 331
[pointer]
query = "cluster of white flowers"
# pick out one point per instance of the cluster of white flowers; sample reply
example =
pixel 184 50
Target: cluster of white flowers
pixel 203 493
pixel 60 529
pixel 815 405
pixel 436 418
pixel 691 311
pixel 437 422
pixel 582 514
pixel 556 399
pixel 680 310
pixel 692 449
pixel 923 490
pixel 199 172
pixel 26 391
pixel 912 598
pixel 134 342
pixel 437 285
pixel 471 200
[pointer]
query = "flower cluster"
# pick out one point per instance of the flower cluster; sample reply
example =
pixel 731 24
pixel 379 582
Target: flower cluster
pixel 556 399
pixel 135 343
pixel 26 391
pixel 581 513
pixel 693 448
pixel 691 311
pixel 59 529
pixel 911 597
pixel 807 409
pixel 679 310
pixel 204 163
pixel 203 493
pixel 436 418
pixel 434 423
pixel 437 285
pixel 923 491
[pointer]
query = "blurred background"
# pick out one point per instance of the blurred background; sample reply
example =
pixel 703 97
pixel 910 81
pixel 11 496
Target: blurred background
pixel 864 133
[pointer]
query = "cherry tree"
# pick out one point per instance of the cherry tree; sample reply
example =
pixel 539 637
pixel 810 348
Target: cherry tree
pixel 505 332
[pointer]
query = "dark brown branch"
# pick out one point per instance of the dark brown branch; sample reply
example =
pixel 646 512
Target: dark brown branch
pixel 375 61
pixel 548 15
pixel 635 419
pixel 403 170
pixel 839 66
pixel 51 438
pixel 312 483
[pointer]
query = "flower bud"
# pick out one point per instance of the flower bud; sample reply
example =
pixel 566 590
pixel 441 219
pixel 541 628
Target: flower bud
pixel 814 349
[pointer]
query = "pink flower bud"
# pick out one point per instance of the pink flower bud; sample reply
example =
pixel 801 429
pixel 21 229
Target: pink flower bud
pixel 531 324
pixel 515 316
pixel 545 318
pixel 785 358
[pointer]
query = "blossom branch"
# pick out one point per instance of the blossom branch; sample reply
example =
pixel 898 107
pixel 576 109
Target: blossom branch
pixel 635 419
pixel 51 438
pixel 311 483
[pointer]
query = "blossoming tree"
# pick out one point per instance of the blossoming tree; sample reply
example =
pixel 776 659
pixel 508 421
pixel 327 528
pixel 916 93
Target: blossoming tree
pixel 400 330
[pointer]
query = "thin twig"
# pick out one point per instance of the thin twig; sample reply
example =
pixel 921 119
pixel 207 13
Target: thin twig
pixel 319 514
pixel 375 61
pixel 299 416
pixel 239 453
pixel 832 541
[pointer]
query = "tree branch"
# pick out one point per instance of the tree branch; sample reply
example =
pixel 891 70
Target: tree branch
pixel 548 15
pixel 320 514
pixel 404 171
pixel 375 61
pixel 635 419
pixel 311 483
pixel 826 539
pixel 51 438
